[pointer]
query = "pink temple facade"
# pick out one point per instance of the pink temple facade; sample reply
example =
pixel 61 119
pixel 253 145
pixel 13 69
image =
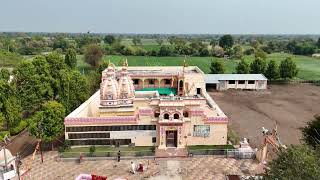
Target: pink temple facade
pixel 166 107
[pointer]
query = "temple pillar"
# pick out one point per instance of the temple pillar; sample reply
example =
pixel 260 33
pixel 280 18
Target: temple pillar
pixel 159 82
pixel 142 83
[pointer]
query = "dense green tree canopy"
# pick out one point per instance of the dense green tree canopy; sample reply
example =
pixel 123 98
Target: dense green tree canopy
pixel 73 89
pixel 216 67
pixel 243 67
pixel 33 83
pixel 4 74
pixel 109 39
pixel 93 54
pixel 311 132
pixel 288 69
pixel 299 163
pixel 71 58
pixel 259 53
pixel 165 51
pixel 237 52
pixel 272 71
pixel 47 124
pixel 10 109
pixel 60 42
pixel 226 41
pixel 258 66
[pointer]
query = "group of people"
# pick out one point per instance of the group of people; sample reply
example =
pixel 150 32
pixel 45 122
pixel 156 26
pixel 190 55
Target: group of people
pixel 136 168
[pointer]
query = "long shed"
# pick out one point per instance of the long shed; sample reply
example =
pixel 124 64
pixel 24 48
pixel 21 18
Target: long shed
pixel 236 81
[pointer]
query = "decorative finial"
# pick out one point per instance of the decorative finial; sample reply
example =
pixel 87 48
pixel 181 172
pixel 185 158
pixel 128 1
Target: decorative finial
pixel 184 61
pixel 126 62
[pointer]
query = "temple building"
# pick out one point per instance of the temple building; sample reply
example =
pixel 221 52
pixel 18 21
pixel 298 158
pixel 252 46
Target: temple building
pixel 148 106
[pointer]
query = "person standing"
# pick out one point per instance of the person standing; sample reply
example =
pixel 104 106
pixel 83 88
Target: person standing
pixel 133 167
pixel 119 156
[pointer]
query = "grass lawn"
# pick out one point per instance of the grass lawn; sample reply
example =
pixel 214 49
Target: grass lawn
pixel 309 68
pixel 108 151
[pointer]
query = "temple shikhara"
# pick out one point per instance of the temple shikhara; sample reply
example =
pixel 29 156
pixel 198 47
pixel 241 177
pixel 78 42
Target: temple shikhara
pixel 166 107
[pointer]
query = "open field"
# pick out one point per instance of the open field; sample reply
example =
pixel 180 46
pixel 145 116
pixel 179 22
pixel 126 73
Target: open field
pixel 309 68
pixel 288 106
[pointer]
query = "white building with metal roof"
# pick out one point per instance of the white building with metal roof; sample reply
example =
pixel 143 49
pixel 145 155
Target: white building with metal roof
pixel 236 81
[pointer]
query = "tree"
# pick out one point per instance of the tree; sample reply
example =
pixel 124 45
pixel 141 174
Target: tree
pixel 259 53
pixel 237 52
pixel 109 39
pixel 226 41
pixel 56 63
pixel 159 41
pixel 73 89
pixel 60 43
pixel 136 41
pixel 71 58
pixel 204 52
pixel 5 74
pixel 272 71
pixel 296 162
pixel 93 54
pixel 288 69
pixel 216 67
pixel 218 51
pixel 318 43
pixel 47 124
pixel 258 66
pixel 243 67
pixel 33 83
pixel 165 51
pixel 213 42
pixel 311 132
pixel 10 109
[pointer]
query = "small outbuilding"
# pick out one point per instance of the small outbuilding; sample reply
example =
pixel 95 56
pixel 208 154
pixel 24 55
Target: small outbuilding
pixel 236 81
pixel 316 55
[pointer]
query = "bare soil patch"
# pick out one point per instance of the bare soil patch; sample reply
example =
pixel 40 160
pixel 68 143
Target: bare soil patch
pixel 288 106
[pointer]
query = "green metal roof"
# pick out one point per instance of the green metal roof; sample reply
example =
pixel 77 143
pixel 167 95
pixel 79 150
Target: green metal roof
pixel 161 91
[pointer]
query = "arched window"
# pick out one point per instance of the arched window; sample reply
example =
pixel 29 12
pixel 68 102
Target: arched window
pixel 181 84
pixel 185 114
pixel 176 116
pixel 109 97
pixel 166 116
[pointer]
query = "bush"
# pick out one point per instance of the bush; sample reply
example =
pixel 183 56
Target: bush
pixel 61 149
pixel 3 134
pixel 233 137
pixel 92 150
pixel 20 127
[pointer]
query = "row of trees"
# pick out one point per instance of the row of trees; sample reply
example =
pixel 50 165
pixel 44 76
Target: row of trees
pixel 286 70
pixel 226 45
pixel 39 93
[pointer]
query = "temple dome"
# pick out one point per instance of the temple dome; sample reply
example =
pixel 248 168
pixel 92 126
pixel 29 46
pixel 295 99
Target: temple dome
pixel 108 87
pixel 125 84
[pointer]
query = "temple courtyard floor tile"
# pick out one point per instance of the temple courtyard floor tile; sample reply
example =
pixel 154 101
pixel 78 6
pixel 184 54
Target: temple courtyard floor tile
pixel 205 167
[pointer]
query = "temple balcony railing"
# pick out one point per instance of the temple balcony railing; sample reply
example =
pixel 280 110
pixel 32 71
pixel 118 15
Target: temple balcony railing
pixel 170 121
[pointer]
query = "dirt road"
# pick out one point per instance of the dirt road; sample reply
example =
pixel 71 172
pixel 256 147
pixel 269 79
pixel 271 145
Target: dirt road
pixel 290 106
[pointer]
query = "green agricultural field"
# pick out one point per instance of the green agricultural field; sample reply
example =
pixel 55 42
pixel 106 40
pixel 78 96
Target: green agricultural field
pixel 309 68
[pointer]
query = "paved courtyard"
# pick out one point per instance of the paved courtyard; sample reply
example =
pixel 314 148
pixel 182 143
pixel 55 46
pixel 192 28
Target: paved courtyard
pixel 208 167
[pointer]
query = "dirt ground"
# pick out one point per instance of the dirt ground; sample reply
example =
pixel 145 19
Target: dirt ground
pixel 288 106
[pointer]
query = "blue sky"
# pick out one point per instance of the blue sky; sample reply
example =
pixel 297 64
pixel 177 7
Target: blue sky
pixel 162 16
